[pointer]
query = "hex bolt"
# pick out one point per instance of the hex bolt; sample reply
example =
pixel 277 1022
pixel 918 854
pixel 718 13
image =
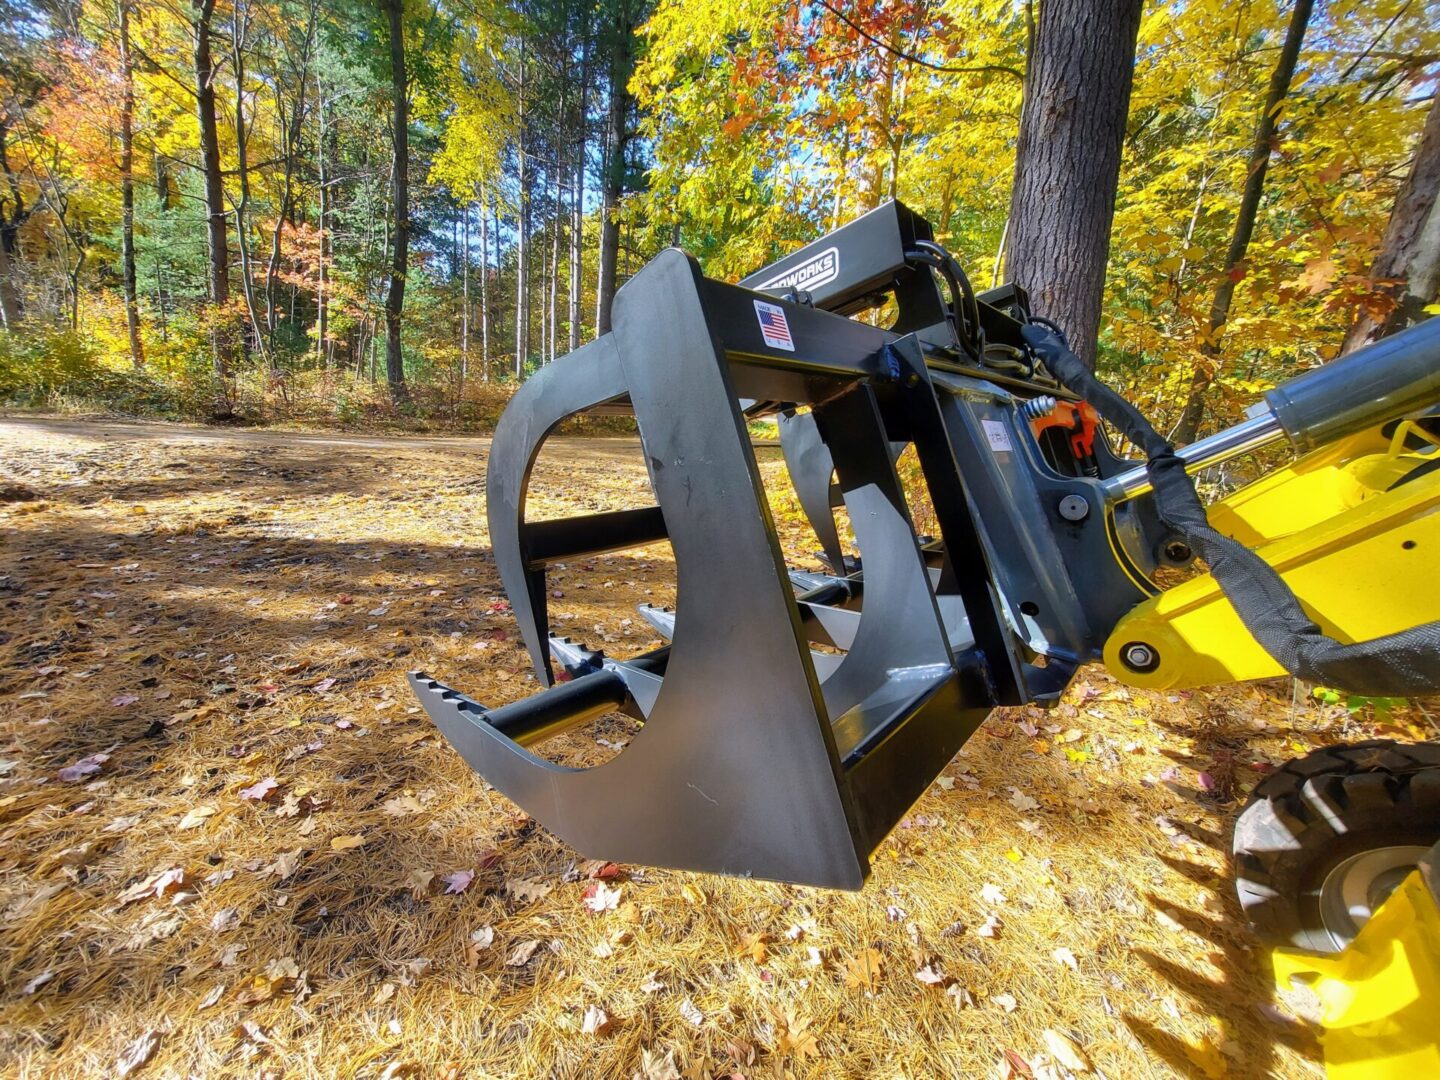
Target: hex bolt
pixel 1140 657
pixel 1074 508
pixel 1178 551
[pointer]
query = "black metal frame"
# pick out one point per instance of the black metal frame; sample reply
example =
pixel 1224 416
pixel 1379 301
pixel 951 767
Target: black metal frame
pixel 759 756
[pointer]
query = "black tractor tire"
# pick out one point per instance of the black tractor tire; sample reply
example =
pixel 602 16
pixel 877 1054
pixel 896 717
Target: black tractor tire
pixel 1311 825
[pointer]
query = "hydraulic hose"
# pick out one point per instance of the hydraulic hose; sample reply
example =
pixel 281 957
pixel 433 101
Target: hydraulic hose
pixel 1403 664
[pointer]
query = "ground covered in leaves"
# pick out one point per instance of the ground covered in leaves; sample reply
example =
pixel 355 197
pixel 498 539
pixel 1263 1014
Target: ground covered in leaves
pixel 230 844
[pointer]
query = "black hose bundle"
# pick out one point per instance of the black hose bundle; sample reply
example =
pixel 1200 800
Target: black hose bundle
pixel 1403 664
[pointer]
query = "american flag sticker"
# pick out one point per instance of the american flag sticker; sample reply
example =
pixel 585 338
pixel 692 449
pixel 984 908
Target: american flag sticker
pixel 773 327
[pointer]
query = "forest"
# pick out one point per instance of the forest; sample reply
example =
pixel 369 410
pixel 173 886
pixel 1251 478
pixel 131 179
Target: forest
pixel 392 212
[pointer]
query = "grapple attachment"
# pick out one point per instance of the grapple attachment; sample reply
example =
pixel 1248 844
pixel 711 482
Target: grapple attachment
pixel 792 720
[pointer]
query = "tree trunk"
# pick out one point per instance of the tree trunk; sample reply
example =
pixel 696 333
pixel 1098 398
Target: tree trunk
pixel 1067 160
pixel 555 269
pixel 291 150
pixel 127 189
pixel 465 296
pixel 240 29
pixel 1404 273
pixel 1259 163
pixel 622 65
pixel 577 194
pixel 522 241
pixel 13 213
pixel 322 302
pixel 217 241
pixel 395 298
pixel 11 313
pixel 484 295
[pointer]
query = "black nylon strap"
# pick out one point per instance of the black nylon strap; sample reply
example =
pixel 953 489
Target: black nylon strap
pixel 1403 664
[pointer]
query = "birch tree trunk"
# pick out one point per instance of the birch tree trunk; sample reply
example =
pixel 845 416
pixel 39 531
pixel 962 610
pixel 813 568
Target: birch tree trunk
pixel 127 189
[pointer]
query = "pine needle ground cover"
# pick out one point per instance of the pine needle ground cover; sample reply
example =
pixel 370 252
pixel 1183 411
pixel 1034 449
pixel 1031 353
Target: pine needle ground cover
pixel 231 845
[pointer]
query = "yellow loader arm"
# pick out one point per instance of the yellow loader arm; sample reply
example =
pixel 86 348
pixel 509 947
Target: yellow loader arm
pixel 1353 529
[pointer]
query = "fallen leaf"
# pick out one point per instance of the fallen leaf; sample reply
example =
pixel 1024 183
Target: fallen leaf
pixel 480 940
pixel 599 897
pixel 419 882
pixel 213 997
pixel 38 981
pixel 138 1053
pixel 383 994
pixel 753 946
pixel 863 971
pixel 1005 1001
pixel 412 738
pixel 692 895
pixel 520 955
pixel 159 884
pixel 652 984
pixel 345 843
pixel 260 791
pixel 196 817
pixel 86 766
pixel 1064 1050
pixel 959 997
pixel 931 975
pixel 527 890
pixel 596 1021
pixel 286 863
pixel 1065 957
pixel 282 968
pixel 991 894
pixel 226 918
pixel 1022 802
pixel 655 1067
pixel 793 1036
pixel 458 881
pixel 691 1013
pixel 1013 1065
pixel 599 870
pixel 119 701
pixel 991 927
pixel 404 804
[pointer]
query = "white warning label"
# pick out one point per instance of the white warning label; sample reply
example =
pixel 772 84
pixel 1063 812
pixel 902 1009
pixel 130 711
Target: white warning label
pixel 996 436
pixel 773 326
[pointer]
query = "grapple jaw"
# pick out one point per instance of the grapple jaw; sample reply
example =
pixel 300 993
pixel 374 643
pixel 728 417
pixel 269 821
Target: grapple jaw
pixel 790 723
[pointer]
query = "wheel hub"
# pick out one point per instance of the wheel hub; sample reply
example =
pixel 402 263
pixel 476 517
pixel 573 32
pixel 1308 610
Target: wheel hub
pixel 1354 890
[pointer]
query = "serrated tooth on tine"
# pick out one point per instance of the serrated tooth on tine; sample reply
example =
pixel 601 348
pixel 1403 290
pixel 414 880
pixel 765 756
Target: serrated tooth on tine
pixel 575 657
pixel 662 619
pixel 421 682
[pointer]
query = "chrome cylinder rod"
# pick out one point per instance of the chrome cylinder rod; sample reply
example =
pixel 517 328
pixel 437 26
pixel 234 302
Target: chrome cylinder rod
pixel 1244 437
